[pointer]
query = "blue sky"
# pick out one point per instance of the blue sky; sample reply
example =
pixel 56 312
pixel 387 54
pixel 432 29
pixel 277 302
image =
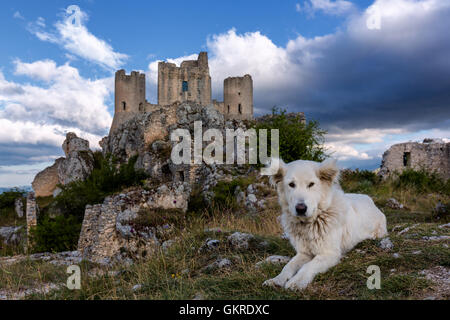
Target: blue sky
pixel 369 87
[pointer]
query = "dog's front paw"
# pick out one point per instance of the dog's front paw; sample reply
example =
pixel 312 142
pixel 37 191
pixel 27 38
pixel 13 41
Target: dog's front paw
pixel 275 282
pixel 296 284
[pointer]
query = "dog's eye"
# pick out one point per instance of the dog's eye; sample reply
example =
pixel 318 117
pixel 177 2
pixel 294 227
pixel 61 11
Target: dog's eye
pixel 310 185
pixel 292 185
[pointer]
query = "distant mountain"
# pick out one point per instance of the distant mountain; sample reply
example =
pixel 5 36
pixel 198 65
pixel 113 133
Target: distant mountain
pixel 26 188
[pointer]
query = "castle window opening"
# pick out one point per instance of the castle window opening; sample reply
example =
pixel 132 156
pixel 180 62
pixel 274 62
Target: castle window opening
pixel 240 108
pixel 228 109
pixel 124 105
pixel 407 159
pixel 185 86
pixel 181 176
pixel 239 93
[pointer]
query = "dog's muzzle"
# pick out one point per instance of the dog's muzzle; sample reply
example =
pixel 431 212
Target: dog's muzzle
pixel 301 208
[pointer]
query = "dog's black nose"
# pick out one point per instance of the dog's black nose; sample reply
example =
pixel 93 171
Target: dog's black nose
pixel 301 209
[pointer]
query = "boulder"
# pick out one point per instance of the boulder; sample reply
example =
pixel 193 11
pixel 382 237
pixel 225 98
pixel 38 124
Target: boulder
pixel 45 182
pixel 240 240
pixel 18 207
pixel 11 235
pixel 77 165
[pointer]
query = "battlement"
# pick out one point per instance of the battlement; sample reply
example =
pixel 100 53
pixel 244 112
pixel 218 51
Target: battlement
pixel 190 82
pixel 122 76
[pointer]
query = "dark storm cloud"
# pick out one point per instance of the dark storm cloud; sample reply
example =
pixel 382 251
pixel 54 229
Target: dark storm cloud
pixel 395 77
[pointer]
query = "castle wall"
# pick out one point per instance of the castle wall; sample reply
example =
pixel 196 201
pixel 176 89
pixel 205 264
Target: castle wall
pixel 195 76
pixel 238 97
pixel 432 157
pixel 190 82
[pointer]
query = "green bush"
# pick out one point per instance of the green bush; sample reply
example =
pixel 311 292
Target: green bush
pixel 297 140
pixel 56 234
pixel 422 181
pixel 106 178
pixel 7 198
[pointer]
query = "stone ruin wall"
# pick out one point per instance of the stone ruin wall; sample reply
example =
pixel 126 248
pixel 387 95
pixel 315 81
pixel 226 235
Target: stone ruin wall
pixel 430 156
pixel 194 74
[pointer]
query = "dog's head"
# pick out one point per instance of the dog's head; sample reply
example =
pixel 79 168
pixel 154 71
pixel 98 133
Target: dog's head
pixel 303 186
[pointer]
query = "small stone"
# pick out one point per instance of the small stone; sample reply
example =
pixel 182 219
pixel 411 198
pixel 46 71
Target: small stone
pixel 386 244
pixel 396 255
pixel 137 287
pixel 240 240
pixel 394 204
pixel 416 252
pixel 252 198
pixel 274 260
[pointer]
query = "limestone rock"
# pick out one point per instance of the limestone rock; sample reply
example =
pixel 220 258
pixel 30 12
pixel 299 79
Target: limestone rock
pixel 18 207
pixel 11 235
pixel 77 165
pixel 394 204
pixel 274 260
pixel 79 161
pixel 240 240
pixel 45 182
pixel 386 244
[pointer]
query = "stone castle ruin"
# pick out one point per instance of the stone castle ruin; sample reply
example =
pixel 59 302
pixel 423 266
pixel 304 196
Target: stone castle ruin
pixel 190 82
pixel 430 155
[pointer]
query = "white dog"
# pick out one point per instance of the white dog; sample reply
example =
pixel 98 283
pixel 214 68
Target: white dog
pixel 321 221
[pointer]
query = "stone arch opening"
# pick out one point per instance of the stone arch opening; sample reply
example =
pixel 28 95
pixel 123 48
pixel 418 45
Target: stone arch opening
pixel 124 105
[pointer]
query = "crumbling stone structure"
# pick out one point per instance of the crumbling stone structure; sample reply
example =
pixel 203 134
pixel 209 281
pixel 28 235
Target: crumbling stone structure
pixel 190 82
pixel 32 213
pixel 430 155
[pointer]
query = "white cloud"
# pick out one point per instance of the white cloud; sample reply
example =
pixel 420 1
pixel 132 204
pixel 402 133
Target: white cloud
pixel 72 34
pixel 66 99
pixel 18 15
pixel 337 7
pixel 368 87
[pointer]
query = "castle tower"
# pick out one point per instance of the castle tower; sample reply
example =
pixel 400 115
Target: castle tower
pixel 238 97
pixel 129 96
pixel 189 82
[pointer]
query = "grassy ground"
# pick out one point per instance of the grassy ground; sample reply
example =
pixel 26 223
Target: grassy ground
pixel 180 273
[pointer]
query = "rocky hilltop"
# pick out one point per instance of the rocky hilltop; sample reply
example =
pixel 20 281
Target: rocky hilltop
pixel 77 165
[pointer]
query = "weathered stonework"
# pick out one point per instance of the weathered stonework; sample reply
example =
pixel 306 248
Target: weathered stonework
pixel 108 234
pixel 431 155
pixel 77 165
pixel 188 83
pixel 32 213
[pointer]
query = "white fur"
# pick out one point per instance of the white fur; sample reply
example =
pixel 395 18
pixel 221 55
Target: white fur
pixel 333 224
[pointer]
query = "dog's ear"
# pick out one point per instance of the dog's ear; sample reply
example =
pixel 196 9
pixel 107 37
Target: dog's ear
pixel 276 169
pixel 328 171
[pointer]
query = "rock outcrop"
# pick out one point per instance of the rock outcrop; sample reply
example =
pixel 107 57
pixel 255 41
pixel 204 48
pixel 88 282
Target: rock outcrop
pixel 109 232
pixel 45 182
pixel 18 207
pixel 77 165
